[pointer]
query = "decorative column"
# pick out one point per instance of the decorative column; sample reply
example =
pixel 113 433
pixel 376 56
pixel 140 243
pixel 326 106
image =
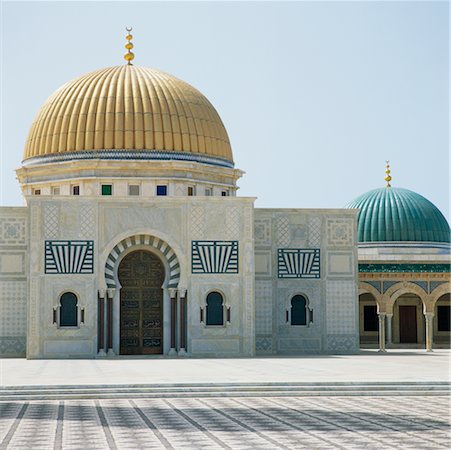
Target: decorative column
pixel 101 323
pixel 173 295
pixel 389 329
pixel 382 332
pixel 110 295
pixel 429 330
pixel 182 316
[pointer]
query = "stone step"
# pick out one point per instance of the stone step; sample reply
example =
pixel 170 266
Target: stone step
pixel 93 395
pixel 230 385
pixel 221 389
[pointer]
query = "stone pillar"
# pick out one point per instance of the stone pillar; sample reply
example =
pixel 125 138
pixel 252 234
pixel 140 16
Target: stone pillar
pixel 382 332
pixel 173 295
pixel 101 323
pixel 110 295
pixel 429 330
pixel 182 316
pixel 389 329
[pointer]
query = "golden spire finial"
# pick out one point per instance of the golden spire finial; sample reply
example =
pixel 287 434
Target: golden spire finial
pixel 129 56
pixel 387 172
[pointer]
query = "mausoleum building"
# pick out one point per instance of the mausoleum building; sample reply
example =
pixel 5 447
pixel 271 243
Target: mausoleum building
pixel 133 241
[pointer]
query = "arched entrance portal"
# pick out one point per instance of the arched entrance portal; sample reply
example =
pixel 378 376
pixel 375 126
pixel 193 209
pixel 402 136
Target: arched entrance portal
pixel 141 275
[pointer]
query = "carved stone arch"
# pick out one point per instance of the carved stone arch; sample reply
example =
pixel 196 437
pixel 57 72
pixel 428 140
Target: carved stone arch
pixel 143 240
pixel 365 288
pixel 443 289
pixel 293 293
pixel 405 287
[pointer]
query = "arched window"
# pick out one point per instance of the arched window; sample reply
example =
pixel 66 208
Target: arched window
pixel 215 309
pixel 298 310
pixel 68 310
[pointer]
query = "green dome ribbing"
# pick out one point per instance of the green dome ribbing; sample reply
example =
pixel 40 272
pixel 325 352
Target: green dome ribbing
pixel 396 214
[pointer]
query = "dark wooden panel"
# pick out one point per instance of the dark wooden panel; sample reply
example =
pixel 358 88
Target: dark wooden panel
pixel 141 275
pixel 408 324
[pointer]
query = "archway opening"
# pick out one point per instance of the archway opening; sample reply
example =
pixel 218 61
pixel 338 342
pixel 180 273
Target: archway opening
pixel 68 310
pixel 368 320
pixel 408 320
pixel 215 309
pixel 442 322
pixel 298 310
pixel 141 275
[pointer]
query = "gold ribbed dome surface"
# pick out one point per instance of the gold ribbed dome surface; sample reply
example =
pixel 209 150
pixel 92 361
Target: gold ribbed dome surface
pixel 128 108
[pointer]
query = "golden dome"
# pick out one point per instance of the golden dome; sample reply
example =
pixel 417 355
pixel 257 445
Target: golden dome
pixel 128 108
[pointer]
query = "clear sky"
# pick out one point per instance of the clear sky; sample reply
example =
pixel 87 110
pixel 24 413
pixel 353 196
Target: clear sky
pixel 315 95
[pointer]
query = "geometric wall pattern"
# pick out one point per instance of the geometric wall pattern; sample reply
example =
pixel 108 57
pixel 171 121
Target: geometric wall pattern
pixel 150 241
pixel 232 222
pixel 69 257
pixel 339 232
pixel 263 307
pixel 298 263
pixel 340 307
pixel 51 221
pixel 314 236
pixel 87 221
pixel 13 281
pixel 262 232
pixel 283 231
pixel 12 230
pixel 197 222
pixel 13 308
pixel 13 345
pixel 341 343
pixel 263 344
pixel 214 256
pixel 264 316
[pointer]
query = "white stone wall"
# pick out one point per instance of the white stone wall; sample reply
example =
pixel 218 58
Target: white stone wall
pixel 258 299
pixel 332 297
pixel 230 221
pixel 70 219
pixel 13 280
pixel 107 221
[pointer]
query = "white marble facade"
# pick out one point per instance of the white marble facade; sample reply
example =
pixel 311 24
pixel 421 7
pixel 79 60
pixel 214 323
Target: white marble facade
pixel 257 298
pixel 330 292
pixel 14 265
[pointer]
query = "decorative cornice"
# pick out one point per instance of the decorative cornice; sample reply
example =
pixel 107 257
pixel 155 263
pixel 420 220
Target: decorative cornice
pixel 404 244
pixel 128 155
pixel 413 268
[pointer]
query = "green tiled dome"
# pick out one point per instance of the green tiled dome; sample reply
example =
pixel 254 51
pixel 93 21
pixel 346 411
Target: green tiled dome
pixel 396 214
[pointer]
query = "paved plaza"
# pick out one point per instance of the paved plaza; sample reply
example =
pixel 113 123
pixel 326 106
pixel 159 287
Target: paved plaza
pixel 237 423
pixel 366 366
pixel 263 421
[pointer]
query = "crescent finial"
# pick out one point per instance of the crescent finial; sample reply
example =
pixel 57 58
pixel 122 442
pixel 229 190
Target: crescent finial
pixel 129 56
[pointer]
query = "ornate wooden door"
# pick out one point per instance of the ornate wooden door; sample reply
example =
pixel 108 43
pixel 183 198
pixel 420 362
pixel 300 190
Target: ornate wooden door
pixel 141 275
pixel 408 324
